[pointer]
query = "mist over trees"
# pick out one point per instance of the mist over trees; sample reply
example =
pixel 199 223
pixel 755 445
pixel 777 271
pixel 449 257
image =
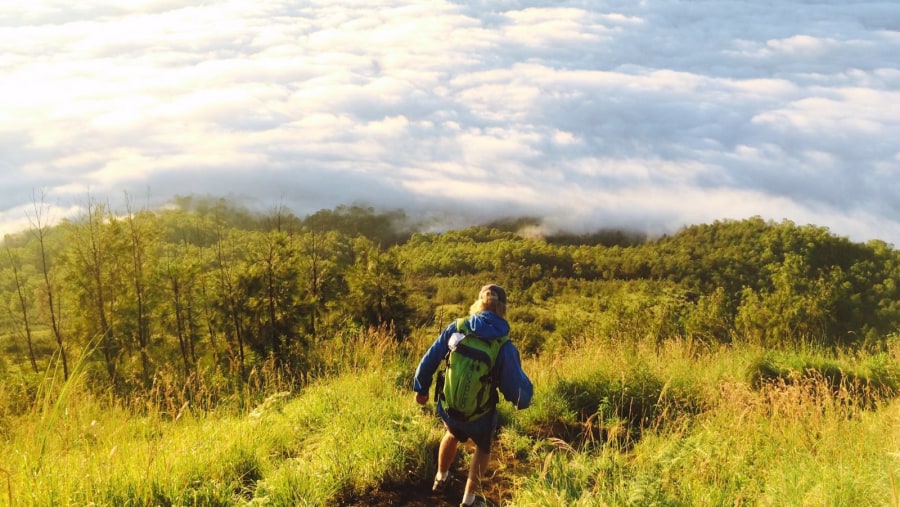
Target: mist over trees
pixel 206 291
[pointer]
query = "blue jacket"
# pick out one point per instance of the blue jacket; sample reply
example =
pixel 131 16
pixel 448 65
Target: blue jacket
pixel 514 383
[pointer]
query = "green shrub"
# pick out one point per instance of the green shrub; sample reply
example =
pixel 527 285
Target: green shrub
pixel 865 383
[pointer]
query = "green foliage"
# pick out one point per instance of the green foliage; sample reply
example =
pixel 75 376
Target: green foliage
pixel 534 331
pixel 376 295
pixel 865 383
pixel 384 229
pixel 613 400
pixel 211 306
pixel 604 237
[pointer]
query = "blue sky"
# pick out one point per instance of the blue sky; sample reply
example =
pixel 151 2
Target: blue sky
pixel 648 114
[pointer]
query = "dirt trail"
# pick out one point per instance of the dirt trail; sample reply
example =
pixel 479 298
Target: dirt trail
pixel 418 493
pixel 410 495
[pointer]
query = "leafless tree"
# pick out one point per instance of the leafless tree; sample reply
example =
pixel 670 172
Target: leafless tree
pixel 39 223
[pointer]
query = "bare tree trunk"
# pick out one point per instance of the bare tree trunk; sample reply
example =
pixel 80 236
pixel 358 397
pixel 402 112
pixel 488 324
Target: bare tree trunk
pixel 209 317
pixel 137 259
pixel 228 289
pixel 179 326
pixel 23 305
pixel 38 228
pixel 187 306
pixel 95 263
pixel 312 247
pixel 271 297
pixel 191 327
pixel 176 287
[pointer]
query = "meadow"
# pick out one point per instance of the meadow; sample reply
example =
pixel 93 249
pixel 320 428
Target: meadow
pixel 624 422
pixel 205 356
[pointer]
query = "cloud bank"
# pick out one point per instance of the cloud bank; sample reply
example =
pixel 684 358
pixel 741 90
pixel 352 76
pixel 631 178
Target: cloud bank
pixel 649 115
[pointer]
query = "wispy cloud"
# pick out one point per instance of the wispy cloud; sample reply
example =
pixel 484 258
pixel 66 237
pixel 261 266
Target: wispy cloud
pixel 593 114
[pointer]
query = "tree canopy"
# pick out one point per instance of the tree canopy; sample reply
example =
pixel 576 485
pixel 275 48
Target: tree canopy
pixel 205 287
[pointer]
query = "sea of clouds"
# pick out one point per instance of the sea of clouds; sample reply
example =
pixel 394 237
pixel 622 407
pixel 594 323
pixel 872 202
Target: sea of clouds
pixel 647 115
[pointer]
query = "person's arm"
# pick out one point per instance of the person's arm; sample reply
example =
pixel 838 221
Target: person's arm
pixel 430 363
pixel 515 385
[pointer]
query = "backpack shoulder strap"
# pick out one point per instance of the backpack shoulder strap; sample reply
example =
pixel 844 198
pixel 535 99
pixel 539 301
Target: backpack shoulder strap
pixel 462 325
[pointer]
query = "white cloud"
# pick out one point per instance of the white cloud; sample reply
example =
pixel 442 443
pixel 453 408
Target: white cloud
pixel 641 114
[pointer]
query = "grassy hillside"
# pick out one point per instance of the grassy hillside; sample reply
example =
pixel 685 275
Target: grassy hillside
pixel 615 422
pixel 209 357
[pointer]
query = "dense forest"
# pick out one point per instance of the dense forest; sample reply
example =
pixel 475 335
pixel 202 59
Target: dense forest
pixel 206 293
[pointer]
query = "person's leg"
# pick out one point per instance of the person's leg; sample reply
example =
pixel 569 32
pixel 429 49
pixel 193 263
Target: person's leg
pixel 483 436
pixel 476 469
pixel 446 453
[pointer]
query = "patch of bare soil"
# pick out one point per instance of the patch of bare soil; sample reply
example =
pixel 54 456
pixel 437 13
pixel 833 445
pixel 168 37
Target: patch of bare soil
pixel 496 486
pixel 499 480
pixel 410 495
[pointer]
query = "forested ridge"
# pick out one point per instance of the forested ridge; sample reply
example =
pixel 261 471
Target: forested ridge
pixel 205 292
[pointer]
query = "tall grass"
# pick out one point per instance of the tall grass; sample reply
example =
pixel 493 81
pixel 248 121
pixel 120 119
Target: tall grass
pixel 638 422
pixel 723 441
pixel 335 438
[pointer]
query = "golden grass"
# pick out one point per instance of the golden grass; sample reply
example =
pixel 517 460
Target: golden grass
pixel 644 422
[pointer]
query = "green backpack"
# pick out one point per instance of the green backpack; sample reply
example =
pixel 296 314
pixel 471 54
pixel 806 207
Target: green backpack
pixel 469 377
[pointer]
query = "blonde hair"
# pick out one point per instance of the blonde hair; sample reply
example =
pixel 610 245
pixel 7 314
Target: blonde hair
pixel 488 302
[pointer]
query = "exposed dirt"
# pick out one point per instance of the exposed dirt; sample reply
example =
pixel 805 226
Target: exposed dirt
pixel 496 486
pixel 410 495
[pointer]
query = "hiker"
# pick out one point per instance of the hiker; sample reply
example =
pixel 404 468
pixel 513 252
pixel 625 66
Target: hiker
pixel 486 320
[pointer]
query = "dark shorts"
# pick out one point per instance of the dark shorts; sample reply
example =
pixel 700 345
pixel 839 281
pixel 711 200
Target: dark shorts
pixel 480 430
